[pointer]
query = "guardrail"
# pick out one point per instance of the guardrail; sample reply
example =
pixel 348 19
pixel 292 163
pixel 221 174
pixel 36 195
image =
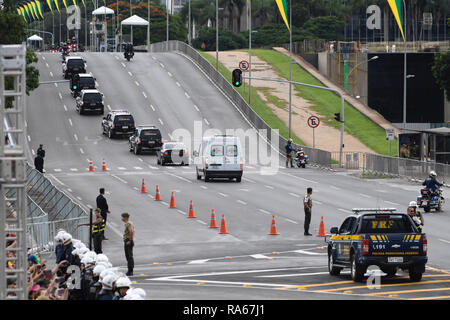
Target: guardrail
pixel 318 157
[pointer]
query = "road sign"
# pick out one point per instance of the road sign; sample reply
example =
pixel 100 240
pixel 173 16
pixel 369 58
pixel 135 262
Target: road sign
pixel 244 65
pixel 390 135
pixel 313 122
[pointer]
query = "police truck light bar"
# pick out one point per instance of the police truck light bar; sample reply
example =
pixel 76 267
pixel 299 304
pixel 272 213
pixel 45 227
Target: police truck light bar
pixel 357 210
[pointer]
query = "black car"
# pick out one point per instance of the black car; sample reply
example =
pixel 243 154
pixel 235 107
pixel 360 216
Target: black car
pixel 173 152
pixel 81 81
pixel 73 65
pixel 90 100
pixel 145 138
pixel 118 122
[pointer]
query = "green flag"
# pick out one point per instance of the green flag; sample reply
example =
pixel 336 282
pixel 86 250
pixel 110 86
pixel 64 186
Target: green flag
pixel 74 3
pixel 39 8
pixel 84 3
pixel 65 3
pixel 49 4
pixel 30 7
pixel 282 6
pixel 396 7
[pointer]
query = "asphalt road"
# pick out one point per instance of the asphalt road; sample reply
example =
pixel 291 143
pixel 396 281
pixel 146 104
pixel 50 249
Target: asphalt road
pixel 181 258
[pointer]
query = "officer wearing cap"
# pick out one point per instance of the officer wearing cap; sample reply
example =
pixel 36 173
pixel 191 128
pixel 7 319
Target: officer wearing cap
pixel 128 237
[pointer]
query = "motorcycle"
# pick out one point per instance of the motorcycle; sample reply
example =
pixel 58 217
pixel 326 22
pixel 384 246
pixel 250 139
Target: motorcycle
pixel 128 55
pixel 428 200
pixel 301 159
pixel 64 54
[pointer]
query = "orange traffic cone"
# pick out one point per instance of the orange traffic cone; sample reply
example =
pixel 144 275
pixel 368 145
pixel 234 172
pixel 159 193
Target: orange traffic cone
pixel 172 202
pixel 223 226
pixel 191 211
pixel 321 228
pixel 213 223
pixel 143 188
pixel 104 166
pixel 91 166
pixel 273 227
pixel 158 195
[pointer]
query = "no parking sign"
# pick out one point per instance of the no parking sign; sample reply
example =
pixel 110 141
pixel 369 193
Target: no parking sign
pixel 313 122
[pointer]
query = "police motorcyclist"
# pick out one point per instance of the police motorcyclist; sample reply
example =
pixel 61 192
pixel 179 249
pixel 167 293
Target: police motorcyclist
pixel 415 215
pixel 289 150
pixel 431 183
pixel 122 286
pixel 107 292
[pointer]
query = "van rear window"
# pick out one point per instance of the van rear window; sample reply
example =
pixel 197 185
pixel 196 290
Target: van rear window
pixel 232 150
pixel 124 119
pixel 87 82
pixel 75 63
pixel 216 150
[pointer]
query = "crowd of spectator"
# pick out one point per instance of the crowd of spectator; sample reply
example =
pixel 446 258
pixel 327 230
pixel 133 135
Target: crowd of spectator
pixel 79 274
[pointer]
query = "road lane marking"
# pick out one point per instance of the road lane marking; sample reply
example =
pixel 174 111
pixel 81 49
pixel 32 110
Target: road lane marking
pixel 137 83
pixel 335 188
pixel 264 211
pixel 182 212
pixel 153 108
pixel 137 168
pixel 387 285
pixel 406 291
pixel 160 121
pixel 73 169
pixel 57 170
pixel 300 178
pixel 223 194
pixel 29 138
pixel 241 202
pixel 109 107
pixel 316 284
pixel 118 178
pixel 47 65
pixel 293 275
pixel 318 202
pixel 145 96
pixel 81 150
pixel 309 253
pixel 121 168
pixel 75 136
pixel 430 298
pixel 130 73
pixel 203 187
pixel 162 66
pixel 60 95
pixel 57 180
pixel 32 151
pixel 51 74
pixel 294 195
pixel 196 108
pixel 343 210
pixel 248 180
pixel 446 241
pixel 206 121
pixel 68 189
pixel 187 95
pixel 70 121
pixel 65 108
pixel 198 261
pixel 364 195
pixel 169 73
pixel 394 203
pixel 178 84
pixel 260 256
pixel 201 222
pixel 269 187
pixel 56 85
pixel 123 65
pixel 289 220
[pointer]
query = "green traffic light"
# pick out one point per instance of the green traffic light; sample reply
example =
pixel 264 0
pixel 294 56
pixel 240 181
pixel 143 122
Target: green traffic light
pixel 237 83
pixel 74 87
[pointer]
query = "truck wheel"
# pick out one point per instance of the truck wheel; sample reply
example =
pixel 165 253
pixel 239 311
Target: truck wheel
pixel 356 270
pixel 334 271
pixel 110 134
pixel 238 179
pixel 415 276
pixel 206 178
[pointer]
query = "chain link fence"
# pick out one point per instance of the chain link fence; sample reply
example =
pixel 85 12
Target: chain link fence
pixel 317 157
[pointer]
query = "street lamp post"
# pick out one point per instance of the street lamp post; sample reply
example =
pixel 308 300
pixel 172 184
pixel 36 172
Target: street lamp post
pixel 189 24
pixel 167 24
pixel 217 34
pixel 404 70
pixel 354 68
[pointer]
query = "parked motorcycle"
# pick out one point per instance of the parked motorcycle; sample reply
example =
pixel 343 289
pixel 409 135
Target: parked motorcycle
pixel 429 200
pixel 301 159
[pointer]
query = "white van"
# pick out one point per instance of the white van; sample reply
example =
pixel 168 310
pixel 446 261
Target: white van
pixel 219 156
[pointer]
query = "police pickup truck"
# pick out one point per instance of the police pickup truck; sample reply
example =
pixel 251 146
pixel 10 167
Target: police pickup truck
pixel 381 237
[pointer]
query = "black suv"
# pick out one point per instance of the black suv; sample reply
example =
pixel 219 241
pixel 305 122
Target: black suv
pixel 90 100
pixel 118 122
pixel 80 81
pixel 73 65
pixel 145 137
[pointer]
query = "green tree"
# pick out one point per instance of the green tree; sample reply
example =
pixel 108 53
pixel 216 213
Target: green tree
pixel 16 33
pixel 328 28
pixel 441 71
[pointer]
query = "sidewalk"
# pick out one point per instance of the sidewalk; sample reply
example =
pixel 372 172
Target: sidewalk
pixel 367 111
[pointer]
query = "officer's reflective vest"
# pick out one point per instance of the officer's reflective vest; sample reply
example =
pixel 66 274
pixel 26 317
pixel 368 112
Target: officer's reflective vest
pixel 99 227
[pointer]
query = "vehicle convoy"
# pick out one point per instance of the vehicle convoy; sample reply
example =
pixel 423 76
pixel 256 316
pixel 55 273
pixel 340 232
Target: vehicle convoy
pixel 173 152
pixel 118 122
pixel 219 156
pixel 145 138
pixel 430 200
pixel 301 159
pixel 72 65
pixel 380 237
pixel 90 100
pixel 80 81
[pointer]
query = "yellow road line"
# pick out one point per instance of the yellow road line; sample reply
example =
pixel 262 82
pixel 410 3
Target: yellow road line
pixel 388 285
pixel 431 298
pixel 406 291
pixel 314 285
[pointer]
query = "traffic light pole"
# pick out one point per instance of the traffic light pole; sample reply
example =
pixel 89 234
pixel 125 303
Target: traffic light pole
pixel 317 87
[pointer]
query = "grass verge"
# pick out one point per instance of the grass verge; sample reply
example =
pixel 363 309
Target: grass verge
pixel 326 103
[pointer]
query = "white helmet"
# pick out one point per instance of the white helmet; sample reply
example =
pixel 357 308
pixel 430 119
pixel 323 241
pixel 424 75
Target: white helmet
pixel 66 238
pixel 413 204
pixel 102 258
pixel 91 254
pixel 108 281
pixel 123 282
pixel 97 270
pixel 82 252
pixel 138 291
pixel 75 252
pixel 132 296
pixel 433 174
pixel 58 237
pixel 105 264
pixel 88 262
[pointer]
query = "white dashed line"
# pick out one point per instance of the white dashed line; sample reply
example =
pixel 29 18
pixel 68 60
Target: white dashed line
pixel 121 168
pixel 241 202
pixel 178 84
pixel 73 169
pixel 264 211
pixel 206 121
pixel 51 74
pixel 81 150
pixel 364 195
pixel 318 202
pixel 109 107
pixel 79 198
pixel 198 261
pixel 120 179
pixel 60 95
pixel 203 187
pixel 223 194
pixel 29 138
pixel 169 73
pixel 196 108
pixel 70 121
pixel 269 187
pixel 137 168
pixel 343 210
pixel 75 136
pixel 201 222
pixel 153 108
pixel 32 151
pixel 57 170
pixel 394 203
pixel 68 189
pixel 335 188
pixel 65 107
pixel 162 66
pixel 47 65
pixel 294 195
pixel 182 212
pixel 160 121
pixel 259 256
pixel 248 180
pixel 292 221
pixel 187 96
pixel 123 65
pixel 137 83
pixel 56 85
pixel 145 96
pixel 130 73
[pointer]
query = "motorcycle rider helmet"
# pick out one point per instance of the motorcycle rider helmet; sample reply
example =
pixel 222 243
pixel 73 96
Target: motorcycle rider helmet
pixel 290 140
pixel 413 204
pixel 433 174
